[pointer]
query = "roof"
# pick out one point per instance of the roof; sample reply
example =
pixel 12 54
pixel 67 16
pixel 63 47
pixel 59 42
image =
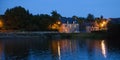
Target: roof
pixel 88 24
pixel 68 20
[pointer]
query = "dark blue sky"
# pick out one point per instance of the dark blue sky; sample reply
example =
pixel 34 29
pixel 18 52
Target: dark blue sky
pixel 68 8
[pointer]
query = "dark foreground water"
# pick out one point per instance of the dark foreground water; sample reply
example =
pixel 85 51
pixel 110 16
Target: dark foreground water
pixel 59 49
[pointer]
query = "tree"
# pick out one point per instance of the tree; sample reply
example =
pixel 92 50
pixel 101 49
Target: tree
pixel 45 21
pixel 17 18
pixel 79 19
pixel 90 18
pixel 113 28
pixel 55 15
pixel 101 17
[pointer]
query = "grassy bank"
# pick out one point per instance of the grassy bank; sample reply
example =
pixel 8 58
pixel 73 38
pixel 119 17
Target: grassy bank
pixel 83 35
pixel 52 35
pixel 89 35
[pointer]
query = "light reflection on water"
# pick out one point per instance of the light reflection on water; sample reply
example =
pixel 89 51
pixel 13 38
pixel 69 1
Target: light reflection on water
pixel 103 48
pixel 61 49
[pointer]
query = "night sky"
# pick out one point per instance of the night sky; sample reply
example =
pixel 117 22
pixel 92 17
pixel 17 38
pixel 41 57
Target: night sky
pixel 68 8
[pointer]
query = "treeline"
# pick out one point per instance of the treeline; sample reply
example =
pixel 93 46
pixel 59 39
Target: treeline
pixel 18 18
pixel 114 28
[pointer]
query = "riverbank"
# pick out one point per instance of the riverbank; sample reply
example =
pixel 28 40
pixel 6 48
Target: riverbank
pixel 91 35
pixel 50 35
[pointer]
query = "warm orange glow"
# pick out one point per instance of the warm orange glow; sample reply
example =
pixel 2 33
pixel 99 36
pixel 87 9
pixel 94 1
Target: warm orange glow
pixel 59 51
pixel 55 25
pixel 58 22
pixel 103 48
pixel 103 24
pixel 1 24
pixel 63 29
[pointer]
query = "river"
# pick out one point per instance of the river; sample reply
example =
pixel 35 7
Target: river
pixel 59 49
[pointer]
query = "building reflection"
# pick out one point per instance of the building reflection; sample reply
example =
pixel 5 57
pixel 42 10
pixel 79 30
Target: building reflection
pixel 2 50
pixel 75 49
pixel 103 48
pixel 62 47
pixel 59 51
pixel 97 48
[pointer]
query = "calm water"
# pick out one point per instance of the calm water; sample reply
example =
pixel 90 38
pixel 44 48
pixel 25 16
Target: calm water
pixel 59 49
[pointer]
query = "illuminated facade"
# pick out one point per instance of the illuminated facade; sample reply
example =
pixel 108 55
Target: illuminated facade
pixel 95 26
pixel 69 25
